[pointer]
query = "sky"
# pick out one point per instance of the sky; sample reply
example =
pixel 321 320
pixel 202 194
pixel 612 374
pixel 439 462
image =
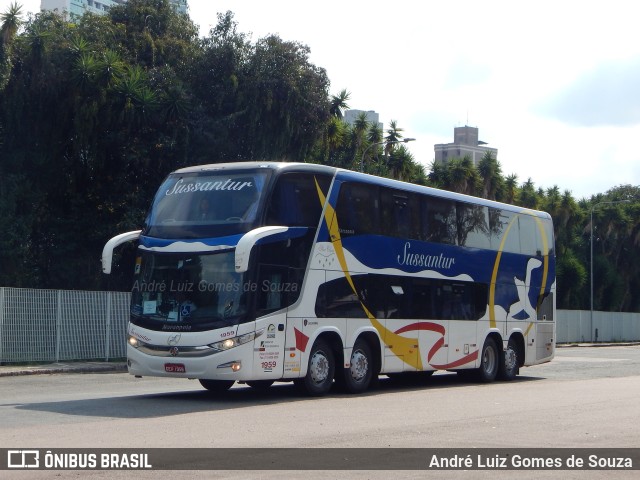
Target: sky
pixel 553 85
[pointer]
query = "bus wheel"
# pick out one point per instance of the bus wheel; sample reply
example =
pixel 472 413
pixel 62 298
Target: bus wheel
pixel 509 364
pixel 260 384
pixel 489 360
pixel 358 376
pixel 216 386
pixel 321 370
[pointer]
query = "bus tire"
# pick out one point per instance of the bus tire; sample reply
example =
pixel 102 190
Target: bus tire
pixel 321 370
pixel 489 362
pixel 509 362
pixel 216 386
pixel 357 378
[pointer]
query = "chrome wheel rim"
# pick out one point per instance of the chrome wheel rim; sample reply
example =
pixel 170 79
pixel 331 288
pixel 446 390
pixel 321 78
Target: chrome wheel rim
pixel 489 360
pixel 319 367
pixel 359 366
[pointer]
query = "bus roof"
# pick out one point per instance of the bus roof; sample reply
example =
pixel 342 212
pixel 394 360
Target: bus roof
pixel 349 175
pixel 281 166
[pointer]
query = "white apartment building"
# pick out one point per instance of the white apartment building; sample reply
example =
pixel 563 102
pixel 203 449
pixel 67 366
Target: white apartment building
pixel 465 143
pixel 76 8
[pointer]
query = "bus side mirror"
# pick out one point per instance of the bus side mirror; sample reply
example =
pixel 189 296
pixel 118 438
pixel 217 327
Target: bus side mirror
pixel 250 240
pixel 107 251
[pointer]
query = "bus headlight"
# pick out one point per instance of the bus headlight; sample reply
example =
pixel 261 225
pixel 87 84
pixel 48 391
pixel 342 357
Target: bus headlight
pixel 134 342
pixel 229 343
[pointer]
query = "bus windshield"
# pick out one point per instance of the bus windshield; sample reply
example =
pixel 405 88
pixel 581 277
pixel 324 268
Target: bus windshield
pixel 207 204
pixel 188 292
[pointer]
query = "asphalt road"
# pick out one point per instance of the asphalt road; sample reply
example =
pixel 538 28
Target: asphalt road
pixel 585 398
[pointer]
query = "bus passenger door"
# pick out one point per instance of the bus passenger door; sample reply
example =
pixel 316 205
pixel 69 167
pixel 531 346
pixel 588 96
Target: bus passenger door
pixel 268 360
pixel 274 294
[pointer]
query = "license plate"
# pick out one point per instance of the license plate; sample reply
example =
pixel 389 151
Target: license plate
pixel 174 368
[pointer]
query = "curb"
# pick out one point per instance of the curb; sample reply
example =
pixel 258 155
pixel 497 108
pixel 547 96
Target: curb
pixel 596 345
pixel 8 371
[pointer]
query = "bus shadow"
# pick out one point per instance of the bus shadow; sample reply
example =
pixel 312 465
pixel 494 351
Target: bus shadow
pixel 156 405
pixel 437 382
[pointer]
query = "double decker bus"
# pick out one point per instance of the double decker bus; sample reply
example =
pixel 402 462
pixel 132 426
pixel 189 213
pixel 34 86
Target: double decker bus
pixel 258 272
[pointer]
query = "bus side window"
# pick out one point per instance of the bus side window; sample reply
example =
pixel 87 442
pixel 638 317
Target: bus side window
pixel 336 299
pixel 472 225
pixel 438 220
pixel 358 209
pixel 400 214
pixel 530 242
pixel 499 222
pixel 295 201
pixel 272 294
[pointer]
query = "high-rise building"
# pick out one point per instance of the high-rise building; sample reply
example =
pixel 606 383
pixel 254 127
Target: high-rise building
pixel 465 143
pixel 350 117
pixel 76 8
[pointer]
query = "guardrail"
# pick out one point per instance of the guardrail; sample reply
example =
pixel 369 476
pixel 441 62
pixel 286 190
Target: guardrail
pixel 63 325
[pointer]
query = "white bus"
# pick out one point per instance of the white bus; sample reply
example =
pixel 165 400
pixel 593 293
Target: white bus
pixel 261 272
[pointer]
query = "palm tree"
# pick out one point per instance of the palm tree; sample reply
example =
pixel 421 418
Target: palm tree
pixel 133 97
pixel 374 135
pixel 492 180
pixel 110 68
pixel 401 164
pixel 463 176
pixel 339 103
pixel 511 188
pixel 360 126
pixel 11 21
pixel 334 137
pixel 394 135
pixel 438 175
pixel 528 195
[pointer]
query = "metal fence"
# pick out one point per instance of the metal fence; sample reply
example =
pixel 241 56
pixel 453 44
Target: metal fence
pixel 579 326
pixel 63 325
pixel 59 325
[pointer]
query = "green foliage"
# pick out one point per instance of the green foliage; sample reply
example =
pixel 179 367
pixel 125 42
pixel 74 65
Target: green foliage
pixel 94 114
pixel 10 22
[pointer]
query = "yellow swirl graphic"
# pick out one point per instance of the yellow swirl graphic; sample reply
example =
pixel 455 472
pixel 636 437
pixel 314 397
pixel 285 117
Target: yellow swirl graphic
pixel 401 346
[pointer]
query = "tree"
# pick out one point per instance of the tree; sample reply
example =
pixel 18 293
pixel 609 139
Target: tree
pixel 616 233
pixel 394 135
pixel 115 102
pixel 493 184
pixel 360 127
pixel 528 196
pixel 339 103
pixel 402 166
pixel 462 176
pixel 11 22
pixel 511 188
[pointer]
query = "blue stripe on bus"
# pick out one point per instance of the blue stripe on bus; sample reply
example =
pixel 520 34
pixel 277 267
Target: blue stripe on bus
pixel 412 257
pixel 152 242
